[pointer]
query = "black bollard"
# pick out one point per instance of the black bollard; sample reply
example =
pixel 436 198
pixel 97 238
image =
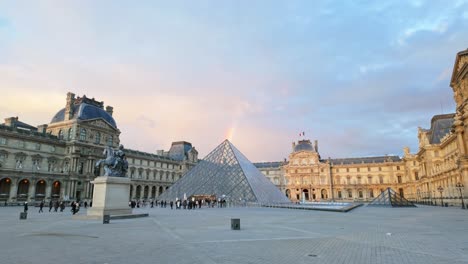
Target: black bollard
pixel 106 219
pixel 235 223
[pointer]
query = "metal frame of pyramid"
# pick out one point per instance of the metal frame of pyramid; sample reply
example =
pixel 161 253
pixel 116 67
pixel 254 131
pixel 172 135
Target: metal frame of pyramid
pixel 391 198
pixel 226 172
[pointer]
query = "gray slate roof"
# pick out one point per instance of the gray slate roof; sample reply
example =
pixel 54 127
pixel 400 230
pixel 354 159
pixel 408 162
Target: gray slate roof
pixel 273 164
pixel 378 159
pixel 178 150
pixel 84 111
pixel 440 126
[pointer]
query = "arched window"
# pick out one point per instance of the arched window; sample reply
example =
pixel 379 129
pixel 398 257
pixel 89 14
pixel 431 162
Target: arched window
pixel 70 133
pixel 98 138
pixel 83 134
pixel 110 140
pixel 60 134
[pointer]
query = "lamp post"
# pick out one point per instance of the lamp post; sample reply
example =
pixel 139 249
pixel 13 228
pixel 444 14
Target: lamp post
pixel 441 189
pixel 460 188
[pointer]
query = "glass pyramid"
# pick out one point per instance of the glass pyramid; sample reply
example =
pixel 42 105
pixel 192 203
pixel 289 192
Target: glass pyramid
pixel 391 198
pixel 226 173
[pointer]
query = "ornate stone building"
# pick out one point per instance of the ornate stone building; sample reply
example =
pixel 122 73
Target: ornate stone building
pixel 57 160
pixel 437 173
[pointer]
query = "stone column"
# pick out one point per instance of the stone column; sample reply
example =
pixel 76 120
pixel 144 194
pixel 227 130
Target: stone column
pixel 32 190
pixel 13 189
pixel 48 193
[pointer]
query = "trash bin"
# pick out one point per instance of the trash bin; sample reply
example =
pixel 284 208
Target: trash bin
pixel 235 223
pixel 106 219
pixel 23 215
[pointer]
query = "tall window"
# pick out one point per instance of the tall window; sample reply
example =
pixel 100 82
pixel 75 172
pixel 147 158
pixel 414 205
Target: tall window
pixel 381 179
pixel 416 175
pixel 70 133
pixel 110 140
pixel 83 134
pixel 97 140
pixel 60 134
pixel 399 179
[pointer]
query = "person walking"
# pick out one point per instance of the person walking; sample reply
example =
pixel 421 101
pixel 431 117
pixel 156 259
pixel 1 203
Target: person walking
pixel 41 205
pixel 25 207
pixel 51 204
pixel 171 204
pixel 73 207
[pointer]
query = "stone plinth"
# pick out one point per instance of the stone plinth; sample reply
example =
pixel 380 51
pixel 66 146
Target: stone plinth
pixel 110 196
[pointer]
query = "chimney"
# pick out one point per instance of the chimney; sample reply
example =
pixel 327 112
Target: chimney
pixel 69 106
pixel 42 128
pixel 11 121
pixel 109 110
pixel 316 145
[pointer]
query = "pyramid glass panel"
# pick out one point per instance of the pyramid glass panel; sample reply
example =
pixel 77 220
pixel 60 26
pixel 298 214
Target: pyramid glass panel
pixel 226 172
pixel 391 198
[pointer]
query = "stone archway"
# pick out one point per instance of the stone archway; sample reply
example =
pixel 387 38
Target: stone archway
pixel 40 190
pixel 138 192
pixel 5 186
pixel 22 192
pixel 306 194
pixel 153 192
pixel 324 194
pixel 56 186
pixel 160 191
pixel 145 192
pixel 288 193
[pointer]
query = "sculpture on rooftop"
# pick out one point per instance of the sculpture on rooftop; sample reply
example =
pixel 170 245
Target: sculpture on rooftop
pixel 115 163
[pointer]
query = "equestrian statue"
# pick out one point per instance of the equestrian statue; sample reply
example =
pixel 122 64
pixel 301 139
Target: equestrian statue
pixel 115 163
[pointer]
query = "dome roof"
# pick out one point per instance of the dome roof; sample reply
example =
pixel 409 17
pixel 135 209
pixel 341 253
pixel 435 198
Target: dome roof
pixel 304 145
pixel 85 111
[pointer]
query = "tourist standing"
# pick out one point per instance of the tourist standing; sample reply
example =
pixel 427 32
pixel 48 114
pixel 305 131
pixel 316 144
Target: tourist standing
pixel 25 207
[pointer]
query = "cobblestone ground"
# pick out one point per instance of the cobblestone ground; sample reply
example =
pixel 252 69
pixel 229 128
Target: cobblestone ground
pixel 267 235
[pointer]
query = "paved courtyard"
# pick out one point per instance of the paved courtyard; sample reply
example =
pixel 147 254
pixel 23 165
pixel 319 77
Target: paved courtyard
pixel 268 235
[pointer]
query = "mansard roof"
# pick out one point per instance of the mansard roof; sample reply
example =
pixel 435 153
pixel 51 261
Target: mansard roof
pixel 85 110
pixel 440 126
pixel 365 160
pixel 179 150
pixel 272 164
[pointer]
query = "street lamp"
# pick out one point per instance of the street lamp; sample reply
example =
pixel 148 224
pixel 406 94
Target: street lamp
pixel 460 188
pixel 441 189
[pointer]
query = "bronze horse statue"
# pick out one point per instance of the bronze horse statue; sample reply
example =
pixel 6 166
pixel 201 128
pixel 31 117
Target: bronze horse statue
pixel 115 163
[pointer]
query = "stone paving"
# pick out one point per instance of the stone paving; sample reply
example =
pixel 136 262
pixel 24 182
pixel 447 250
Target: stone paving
pixel 267 235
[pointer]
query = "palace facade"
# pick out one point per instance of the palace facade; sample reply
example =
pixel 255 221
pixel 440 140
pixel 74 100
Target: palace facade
pixel 437 173
pixel 57 160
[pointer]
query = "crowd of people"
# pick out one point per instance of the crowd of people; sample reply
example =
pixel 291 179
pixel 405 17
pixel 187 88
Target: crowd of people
pixel 58 204
pixel 189 204
pixel 179 204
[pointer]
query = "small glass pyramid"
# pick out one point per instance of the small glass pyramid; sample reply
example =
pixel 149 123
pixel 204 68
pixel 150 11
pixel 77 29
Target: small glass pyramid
pixel 226 173
pixel 391 198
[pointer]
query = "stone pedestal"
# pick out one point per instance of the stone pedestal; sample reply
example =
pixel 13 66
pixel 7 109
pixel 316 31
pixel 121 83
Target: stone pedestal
pixel 110 196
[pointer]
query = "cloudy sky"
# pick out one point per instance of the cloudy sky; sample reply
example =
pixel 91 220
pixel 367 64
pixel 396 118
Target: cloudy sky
pixel 359 76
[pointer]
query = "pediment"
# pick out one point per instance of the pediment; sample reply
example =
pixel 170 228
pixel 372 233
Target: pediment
pixel 99 123
pixel 462 58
